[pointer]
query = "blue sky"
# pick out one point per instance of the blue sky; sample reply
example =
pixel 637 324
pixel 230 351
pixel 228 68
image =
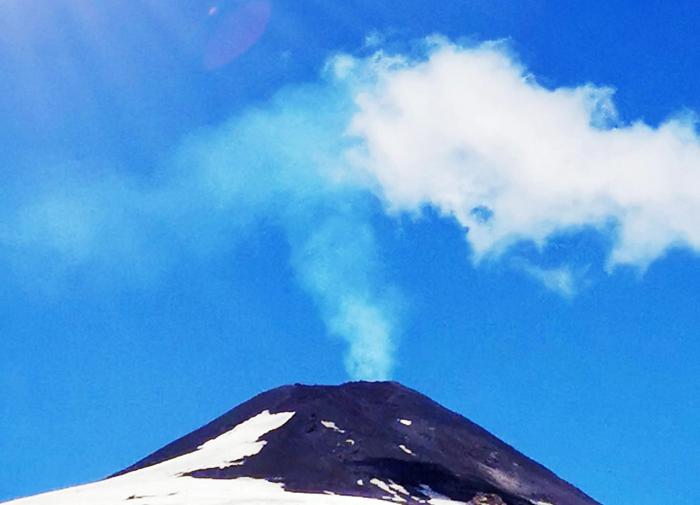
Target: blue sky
pixel 489 201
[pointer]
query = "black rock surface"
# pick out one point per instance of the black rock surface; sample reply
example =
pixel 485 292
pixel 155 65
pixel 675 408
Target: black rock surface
pixel 439 449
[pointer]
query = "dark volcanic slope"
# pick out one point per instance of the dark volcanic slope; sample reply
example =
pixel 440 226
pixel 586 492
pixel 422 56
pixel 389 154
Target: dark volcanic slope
pixel 432 447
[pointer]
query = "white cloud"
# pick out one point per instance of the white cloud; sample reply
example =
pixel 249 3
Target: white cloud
pixel 563 280
pixel 464 130
pixel 470 132
pixel 374 39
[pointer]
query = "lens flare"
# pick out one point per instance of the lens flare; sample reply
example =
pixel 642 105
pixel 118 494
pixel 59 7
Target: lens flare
pixel 236 33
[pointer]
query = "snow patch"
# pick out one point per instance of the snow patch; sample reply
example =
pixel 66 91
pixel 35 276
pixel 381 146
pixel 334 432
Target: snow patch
pixel 189 491
pixel 406 450
pixel 387 488
pixel 435 498
pixel 332 426
pixel 398 487
pixel 167 483
pixel 230 448
pixel 433 495
pixel 381 485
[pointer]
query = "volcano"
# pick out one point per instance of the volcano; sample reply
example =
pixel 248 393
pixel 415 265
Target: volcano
pixel 360 443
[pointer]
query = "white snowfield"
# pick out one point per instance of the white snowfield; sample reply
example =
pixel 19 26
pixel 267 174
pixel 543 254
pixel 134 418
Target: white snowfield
pixel 167 484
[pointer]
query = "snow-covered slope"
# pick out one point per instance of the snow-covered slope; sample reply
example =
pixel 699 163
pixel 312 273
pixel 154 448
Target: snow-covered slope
pixel 167 483
pixel 355 444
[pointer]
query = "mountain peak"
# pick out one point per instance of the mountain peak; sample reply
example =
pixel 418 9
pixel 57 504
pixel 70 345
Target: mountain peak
pixel 352 444
pixel 345 439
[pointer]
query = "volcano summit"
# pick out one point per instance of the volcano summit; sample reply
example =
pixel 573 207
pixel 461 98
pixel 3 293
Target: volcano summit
pixel 355 444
